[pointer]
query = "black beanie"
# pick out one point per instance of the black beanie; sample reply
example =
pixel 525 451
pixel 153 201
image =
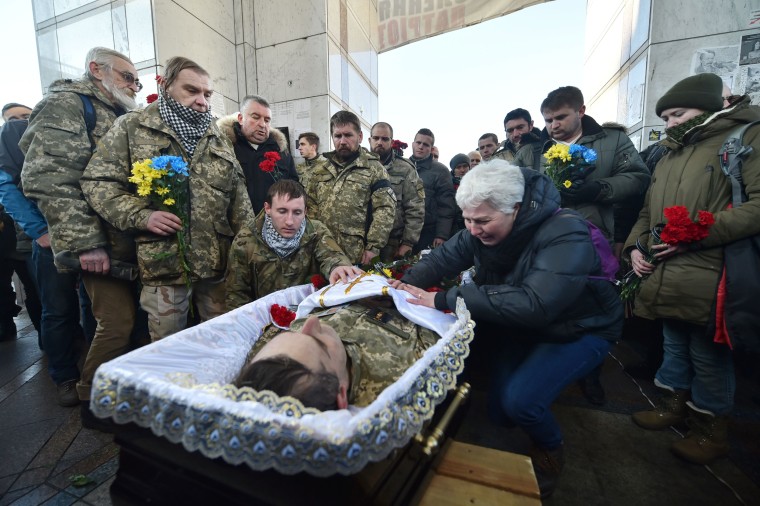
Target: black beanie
pixel 459 159
pixel 702 91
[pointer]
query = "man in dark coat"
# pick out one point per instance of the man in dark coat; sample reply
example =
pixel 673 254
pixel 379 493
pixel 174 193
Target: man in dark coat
pixel 253 137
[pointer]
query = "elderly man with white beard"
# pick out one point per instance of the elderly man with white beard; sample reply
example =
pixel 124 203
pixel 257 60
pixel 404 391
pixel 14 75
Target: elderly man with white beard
pixel 63 131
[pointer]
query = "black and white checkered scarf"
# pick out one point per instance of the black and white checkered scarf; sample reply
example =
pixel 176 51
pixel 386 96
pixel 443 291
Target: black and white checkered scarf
pixel 279 244
pixel 190 125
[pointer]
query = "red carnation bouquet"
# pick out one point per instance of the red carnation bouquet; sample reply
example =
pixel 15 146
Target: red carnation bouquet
pixel 282 317
pixel 679 229
pixel 269 164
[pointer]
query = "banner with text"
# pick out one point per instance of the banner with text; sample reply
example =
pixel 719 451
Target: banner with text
pixel 403 21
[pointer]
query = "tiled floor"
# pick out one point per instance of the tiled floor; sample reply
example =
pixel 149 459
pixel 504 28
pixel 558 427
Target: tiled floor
pixel 609 461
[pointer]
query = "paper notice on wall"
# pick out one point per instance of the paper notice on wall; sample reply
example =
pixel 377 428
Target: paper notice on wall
pixel 749 54
pixel 722 61
pixel 294 115
pixel 403 21
pixel 748 82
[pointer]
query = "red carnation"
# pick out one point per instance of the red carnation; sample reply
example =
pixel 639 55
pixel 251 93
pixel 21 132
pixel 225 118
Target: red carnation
pixel 151 98
pixel 282 316
pixel 318 281
pixel 269 162
pixel 680 229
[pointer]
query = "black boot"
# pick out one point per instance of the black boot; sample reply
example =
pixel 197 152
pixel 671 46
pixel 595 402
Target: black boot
pixel 547 464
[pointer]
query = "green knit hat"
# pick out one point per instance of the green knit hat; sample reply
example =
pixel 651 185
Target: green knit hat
pixel 702 91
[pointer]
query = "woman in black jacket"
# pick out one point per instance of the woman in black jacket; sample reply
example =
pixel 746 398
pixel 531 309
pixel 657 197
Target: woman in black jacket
pixel 542 317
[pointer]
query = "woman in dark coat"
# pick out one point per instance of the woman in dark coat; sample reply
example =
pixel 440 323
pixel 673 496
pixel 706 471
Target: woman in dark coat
pixel 541 317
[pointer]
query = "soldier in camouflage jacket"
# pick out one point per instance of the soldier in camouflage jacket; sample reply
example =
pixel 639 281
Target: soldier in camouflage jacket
pixel 256 269
pixel 58 145
pixel 409 190
pixel 365 347
pixel 178 124
pixel 351 194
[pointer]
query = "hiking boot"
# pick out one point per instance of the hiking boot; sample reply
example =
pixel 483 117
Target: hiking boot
pixel 90 421
pixel 547 464
pixel 707 438
pixel 67 394
pixel 8 330
pixel 671 410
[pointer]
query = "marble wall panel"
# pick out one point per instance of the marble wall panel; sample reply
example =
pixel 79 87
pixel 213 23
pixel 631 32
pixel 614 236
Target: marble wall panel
pixel 683 19
pixel 218 14
pixel 293 70
pixel 286 20
pixel 208 48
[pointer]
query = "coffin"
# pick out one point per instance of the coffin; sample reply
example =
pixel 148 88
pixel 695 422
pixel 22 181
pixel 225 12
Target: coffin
pixel 179 388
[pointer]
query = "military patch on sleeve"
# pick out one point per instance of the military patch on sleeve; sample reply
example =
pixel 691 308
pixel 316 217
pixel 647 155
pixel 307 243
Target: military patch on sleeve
pixel 391 193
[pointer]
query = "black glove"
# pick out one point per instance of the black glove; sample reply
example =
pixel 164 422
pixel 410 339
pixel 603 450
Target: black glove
pixel 581 191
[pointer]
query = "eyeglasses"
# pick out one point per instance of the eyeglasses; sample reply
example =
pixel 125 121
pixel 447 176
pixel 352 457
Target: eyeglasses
pixel 129 78
pixel 731 98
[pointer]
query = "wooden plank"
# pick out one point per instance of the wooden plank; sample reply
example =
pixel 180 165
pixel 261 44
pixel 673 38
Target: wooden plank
pixel 444 491
pixel 502 470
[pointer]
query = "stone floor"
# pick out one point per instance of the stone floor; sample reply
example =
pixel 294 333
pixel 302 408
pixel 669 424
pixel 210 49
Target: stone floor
pixel 609 461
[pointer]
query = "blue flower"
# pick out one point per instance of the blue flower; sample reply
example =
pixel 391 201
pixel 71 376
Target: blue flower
pixel 175 163
pixel 574 148
pixel 589 155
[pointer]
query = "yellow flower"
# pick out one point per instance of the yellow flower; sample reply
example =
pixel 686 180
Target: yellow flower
pixel 169 202
pixel 567 183
pixel 388 272
pixel 161 190
pixel 143 190
pixel 558 151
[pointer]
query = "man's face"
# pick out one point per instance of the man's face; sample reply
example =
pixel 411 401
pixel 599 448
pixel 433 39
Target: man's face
pixel 254 122
pixel 707 60
pixel 422 146
pixel 487 147
pixel 474 158
pixel 515 129
pixel 434 151
pixel 121 82
pixel 380 141
pixel 19 112
pixel 191 89
pixel 307 150
pixel 564 124
pixel 487 224
pixel 317 347
pixel 287 214
pixel 346 139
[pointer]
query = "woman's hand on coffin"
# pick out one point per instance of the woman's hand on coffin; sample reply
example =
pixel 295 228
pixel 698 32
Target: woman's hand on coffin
pixel 163 223
pixel 344 273
pixel 419 296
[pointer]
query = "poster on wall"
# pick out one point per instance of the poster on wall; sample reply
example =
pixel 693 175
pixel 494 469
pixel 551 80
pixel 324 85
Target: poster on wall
pixel 717 60
pixel 636 82
pixel 749 54
pixel 748 82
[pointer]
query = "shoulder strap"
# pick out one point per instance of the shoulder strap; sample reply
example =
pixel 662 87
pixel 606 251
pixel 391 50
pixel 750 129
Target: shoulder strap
pixel 731 155
pixel 89 117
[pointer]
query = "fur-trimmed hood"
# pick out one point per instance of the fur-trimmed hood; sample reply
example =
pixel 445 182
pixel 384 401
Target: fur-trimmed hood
pixel 228 126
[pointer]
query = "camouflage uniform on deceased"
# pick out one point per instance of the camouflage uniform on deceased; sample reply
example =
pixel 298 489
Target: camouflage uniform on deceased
pixel 58 148
pixel 379 341
pixel 255 270
pixel 410 206
pixel 355 202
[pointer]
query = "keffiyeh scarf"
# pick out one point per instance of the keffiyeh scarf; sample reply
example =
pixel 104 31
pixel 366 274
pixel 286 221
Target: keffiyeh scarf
pixel 281 245
pixel 189 125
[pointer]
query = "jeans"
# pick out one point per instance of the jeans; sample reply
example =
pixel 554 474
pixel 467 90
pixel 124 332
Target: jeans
pixel 60 315
pixel 527 377
pixel 692 361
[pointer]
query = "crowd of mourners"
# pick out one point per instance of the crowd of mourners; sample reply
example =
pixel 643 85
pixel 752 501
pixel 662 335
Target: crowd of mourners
pixel 123 267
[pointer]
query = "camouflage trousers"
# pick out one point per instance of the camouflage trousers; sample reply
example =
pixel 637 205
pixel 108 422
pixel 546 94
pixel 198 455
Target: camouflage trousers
pixel 168 305
pixel 113 305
